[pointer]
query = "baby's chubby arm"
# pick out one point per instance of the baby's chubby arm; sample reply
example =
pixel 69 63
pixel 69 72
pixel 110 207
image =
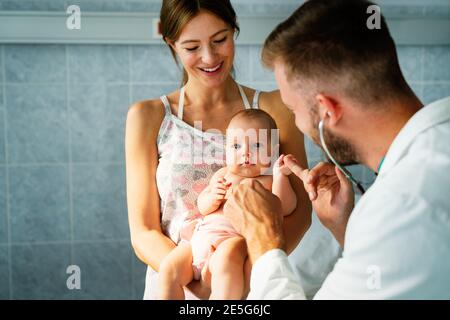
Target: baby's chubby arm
pixel 213 195
pixel 281 187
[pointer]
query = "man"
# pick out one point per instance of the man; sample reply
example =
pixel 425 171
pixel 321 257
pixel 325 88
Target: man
pixel 331 67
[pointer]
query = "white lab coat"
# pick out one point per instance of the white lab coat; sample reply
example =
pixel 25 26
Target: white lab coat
pixel 397 242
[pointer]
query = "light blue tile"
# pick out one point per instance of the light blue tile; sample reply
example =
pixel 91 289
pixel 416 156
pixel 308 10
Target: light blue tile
pixel 264 86
pixel 417 88
pixel 97 122
pixel 410 58
pixel 2 136
pixel 434 92
pixel 35 63
pixel 276 8
pixel 259 72
pixel 438 11
pixel 1 95
pixel 37 123
pixel 313 152
pixel 98 63
pixel 153 63
pixel 242 64
pixel 148 92
pixel 39 203
pixel 139 270
pixel 369 178
pixel 85 5
pixel 437 63
pixel 99 202
pixel 39 271
pixel 4 272
pixel 105 270
pixel 242 8
pixel 3 212
pixel 1 67
pixel 394 10
pixel 33 5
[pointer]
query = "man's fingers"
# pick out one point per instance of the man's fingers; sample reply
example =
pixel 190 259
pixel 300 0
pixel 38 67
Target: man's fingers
pixel 345 183
pixel 295 167
pixel 322 168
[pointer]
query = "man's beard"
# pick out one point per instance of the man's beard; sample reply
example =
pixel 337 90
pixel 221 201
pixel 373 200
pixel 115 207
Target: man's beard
pixel 341 150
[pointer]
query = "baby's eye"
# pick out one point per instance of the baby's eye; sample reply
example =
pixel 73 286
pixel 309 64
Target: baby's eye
pixel 236 146
pixel 257 145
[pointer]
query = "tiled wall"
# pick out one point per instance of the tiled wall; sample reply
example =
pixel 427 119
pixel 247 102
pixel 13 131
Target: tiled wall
pixel 62 172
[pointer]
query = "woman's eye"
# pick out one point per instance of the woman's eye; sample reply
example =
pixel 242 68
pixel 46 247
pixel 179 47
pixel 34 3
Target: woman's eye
pixel 220 40
pixel 191 49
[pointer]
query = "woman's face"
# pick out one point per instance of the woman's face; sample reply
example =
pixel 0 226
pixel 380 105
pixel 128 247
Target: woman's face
pixel 206 49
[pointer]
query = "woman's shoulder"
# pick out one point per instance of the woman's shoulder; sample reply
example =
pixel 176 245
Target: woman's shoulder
pixel 271 99
pixel 146 115
pixel 271 102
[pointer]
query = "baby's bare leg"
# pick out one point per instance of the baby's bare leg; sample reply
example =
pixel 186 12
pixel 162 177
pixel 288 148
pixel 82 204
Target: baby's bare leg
pixel 227 270
pixel 175 272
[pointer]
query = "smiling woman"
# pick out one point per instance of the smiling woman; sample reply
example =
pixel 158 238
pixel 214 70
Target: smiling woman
pixel 162 188
pixel 191 41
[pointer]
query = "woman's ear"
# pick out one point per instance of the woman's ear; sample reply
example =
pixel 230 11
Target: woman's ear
pixel 171 44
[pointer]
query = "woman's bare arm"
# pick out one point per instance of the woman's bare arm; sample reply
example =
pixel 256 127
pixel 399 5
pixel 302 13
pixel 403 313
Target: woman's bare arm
pixel 142 126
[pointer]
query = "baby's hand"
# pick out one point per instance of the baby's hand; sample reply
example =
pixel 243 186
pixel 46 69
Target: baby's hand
pixel 280 168
pixel 219 189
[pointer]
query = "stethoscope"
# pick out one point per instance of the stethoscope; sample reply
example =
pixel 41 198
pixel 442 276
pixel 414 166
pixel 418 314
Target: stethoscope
pixel 344 171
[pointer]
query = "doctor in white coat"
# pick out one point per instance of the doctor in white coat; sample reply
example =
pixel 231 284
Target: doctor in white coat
pixel 341 78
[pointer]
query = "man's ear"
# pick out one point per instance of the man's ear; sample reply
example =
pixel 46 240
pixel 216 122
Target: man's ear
pixel 329 108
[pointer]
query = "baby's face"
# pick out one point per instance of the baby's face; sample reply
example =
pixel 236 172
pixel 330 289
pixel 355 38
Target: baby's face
pixel 248 148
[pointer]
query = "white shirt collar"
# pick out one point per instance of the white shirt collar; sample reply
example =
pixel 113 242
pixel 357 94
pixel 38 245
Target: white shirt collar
pixel 429 116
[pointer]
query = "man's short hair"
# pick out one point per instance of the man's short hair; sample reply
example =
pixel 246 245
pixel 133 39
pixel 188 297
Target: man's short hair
pixel 329 42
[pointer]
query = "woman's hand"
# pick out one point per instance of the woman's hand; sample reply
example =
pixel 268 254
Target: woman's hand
pixel 331 194
pixel 254 213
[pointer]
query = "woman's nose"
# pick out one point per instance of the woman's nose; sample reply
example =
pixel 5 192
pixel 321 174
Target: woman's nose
pixel 208 55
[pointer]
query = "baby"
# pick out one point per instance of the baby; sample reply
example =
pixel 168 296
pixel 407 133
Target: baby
pixel 215 247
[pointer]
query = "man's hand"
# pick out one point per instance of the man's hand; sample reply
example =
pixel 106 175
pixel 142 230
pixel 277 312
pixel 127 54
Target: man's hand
pixel 331 194
pixel 254 213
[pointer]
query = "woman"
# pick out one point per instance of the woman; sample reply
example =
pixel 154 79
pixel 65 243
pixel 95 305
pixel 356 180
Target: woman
pixel 164 175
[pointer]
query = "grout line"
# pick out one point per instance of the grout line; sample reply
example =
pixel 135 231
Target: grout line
pixel 43 243
pixel 81 163
pixel 130 74
pixel 250 51
pixel 150 83
pixel 69 147
pixel 69 164
pixel 8 213
pixel 422 72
